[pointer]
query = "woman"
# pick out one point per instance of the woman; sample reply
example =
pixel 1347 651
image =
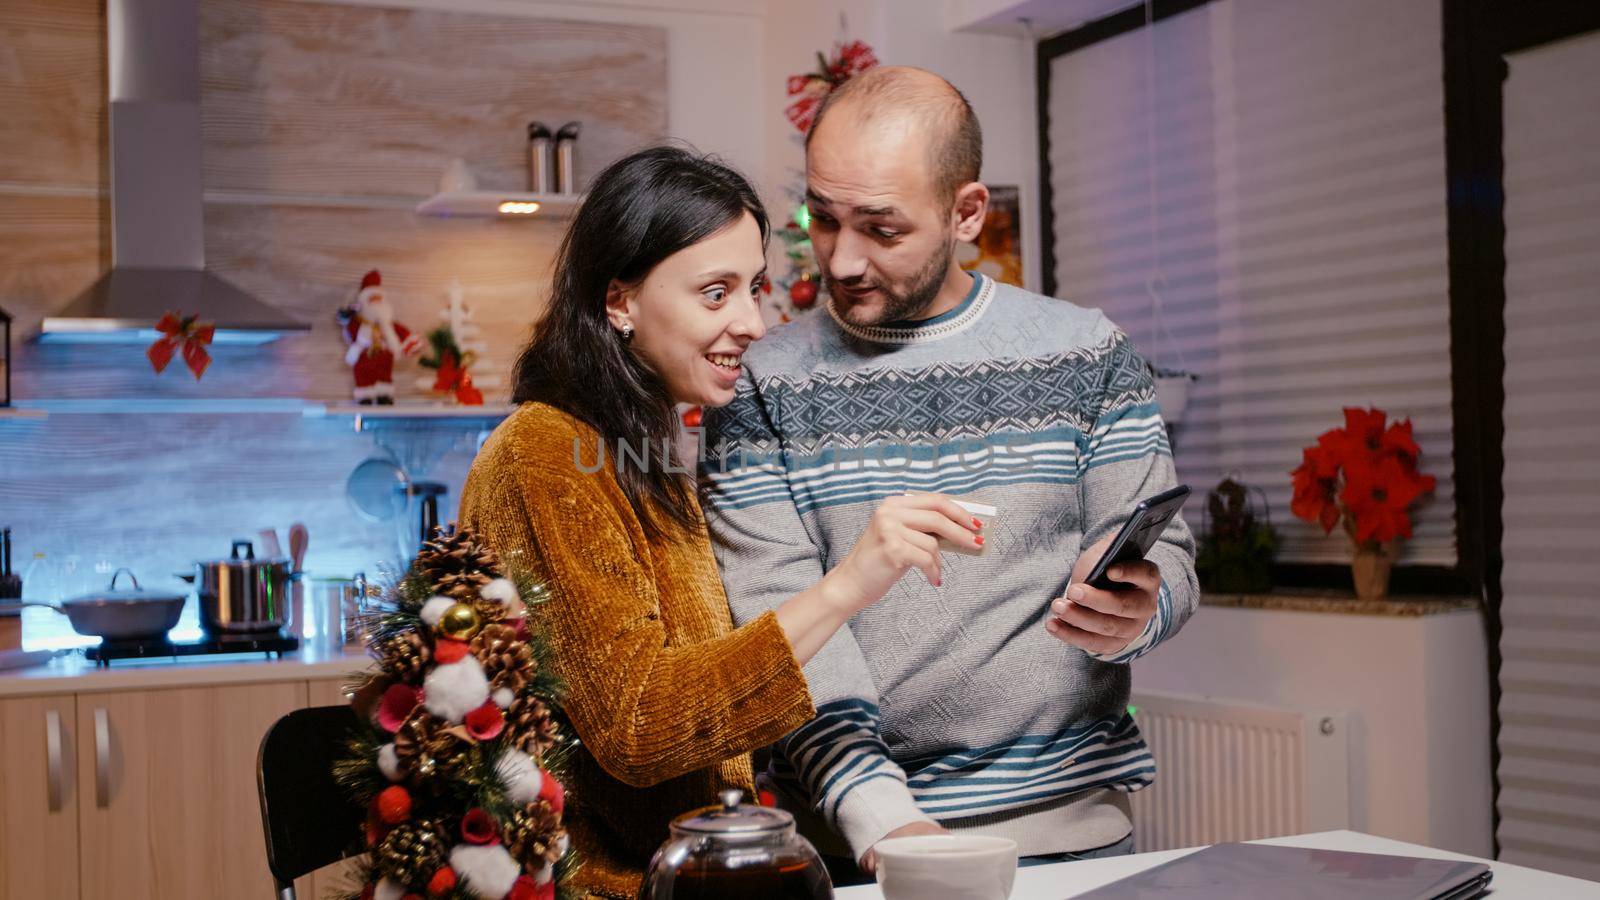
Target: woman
pixel 654 301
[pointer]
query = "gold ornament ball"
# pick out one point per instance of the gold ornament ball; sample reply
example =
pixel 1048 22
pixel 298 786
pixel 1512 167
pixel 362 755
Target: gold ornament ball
pixel 460 622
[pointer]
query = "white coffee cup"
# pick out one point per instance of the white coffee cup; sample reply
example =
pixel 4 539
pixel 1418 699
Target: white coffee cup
pixel 946 867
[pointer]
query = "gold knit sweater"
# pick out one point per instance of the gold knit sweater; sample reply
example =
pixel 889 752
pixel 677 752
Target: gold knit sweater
pixel 666 696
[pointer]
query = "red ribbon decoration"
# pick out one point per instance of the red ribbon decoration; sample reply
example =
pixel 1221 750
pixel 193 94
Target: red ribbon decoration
pixel 452 377
pixel 182 331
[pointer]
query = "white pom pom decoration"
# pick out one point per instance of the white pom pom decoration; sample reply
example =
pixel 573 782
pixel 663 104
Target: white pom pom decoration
pixel 389 762
pixel 503 697
pixel 486 871
pixel 452 690
pixel 433 610
pixel 388 889
pixel 520 775
pixel 505 592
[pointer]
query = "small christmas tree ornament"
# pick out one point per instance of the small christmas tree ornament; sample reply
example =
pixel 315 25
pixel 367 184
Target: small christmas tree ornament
pixel 459 623
pixel 412 852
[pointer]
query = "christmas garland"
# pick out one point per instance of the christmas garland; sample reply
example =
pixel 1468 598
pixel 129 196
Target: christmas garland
pixel 456 765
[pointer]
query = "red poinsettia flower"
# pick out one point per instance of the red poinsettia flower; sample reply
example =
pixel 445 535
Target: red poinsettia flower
pixel 1397 439
pixel 1314 492
pixel 1365 426
pixel 1378 495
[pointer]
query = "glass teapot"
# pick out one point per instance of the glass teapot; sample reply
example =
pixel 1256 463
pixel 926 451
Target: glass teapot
pixel 735 851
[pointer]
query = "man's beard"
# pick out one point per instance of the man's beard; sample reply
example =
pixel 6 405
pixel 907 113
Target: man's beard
pixel 898 307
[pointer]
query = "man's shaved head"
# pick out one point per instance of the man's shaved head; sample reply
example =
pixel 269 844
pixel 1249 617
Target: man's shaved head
pixel 904 96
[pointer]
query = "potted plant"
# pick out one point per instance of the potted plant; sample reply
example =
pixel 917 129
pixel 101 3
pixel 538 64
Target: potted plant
pixel 1237 544
pixel 1364 475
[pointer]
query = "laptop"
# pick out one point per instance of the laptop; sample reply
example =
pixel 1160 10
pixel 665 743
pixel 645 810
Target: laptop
pixel 1263 872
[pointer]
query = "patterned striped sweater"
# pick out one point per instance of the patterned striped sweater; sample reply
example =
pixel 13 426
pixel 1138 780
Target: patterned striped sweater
pixel 950 703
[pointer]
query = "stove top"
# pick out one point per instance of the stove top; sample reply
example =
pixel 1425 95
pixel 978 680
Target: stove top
pixel 272 643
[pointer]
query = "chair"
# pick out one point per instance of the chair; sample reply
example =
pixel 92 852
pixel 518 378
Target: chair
pixel 308 819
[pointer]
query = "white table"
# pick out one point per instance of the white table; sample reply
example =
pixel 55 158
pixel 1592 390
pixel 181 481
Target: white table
pixel 1060 880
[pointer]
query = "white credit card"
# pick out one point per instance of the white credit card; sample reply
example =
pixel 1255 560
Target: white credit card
pixel 981 511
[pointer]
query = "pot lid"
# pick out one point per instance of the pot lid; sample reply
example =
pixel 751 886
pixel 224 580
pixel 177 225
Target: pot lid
pixel 247 559
pixel 113 594
pixel 733 819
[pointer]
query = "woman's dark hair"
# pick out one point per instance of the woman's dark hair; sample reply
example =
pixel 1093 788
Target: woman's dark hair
pixel 642 209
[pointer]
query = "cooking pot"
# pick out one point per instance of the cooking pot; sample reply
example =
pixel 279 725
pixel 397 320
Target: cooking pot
pixel 735 851
pixel 121 615
pixel 242 594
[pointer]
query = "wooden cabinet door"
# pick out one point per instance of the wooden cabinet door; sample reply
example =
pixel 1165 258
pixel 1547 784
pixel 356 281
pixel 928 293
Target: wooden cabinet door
pixel 38 799
pixel 328 693
pixel 168 808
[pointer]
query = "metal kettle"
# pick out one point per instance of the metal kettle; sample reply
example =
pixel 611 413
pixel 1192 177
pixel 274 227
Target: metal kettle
pixel 736 851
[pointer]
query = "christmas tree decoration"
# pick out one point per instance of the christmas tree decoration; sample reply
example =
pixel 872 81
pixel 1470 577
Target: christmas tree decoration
pixel 373 340
pixel 180 331
pixel 456 349
pixel 459 623
pixel 847 61
pixel 458 763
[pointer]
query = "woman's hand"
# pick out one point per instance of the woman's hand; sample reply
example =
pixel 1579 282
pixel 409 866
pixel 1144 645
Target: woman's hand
pixel 904 533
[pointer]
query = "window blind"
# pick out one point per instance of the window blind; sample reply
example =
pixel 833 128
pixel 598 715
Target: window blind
pixel 1550 643
pixel 1255 192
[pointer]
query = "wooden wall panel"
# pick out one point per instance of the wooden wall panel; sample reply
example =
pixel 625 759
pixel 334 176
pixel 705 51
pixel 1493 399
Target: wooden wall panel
pixel 324 99
pixel 52 92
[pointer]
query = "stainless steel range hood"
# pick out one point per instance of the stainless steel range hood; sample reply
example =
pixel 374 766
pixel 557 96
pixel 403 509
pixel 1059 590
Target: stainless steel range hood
pixel 157 246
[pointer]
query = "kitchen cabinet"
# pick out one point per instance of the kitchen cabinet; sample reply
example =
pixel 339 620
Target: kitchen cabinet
pixel 38 799
pixel 168 805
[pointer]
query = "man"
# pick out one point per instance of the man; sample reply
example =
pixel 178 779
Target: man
pixel 995 700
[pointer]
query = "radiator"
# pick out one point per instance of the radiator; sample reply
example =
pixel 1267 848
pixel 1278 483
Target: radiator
pixel 1228 771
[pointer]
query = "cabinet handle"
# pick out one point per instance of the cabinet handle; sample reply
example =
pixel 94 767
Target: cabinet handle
pixel 102 759
pixel 52 743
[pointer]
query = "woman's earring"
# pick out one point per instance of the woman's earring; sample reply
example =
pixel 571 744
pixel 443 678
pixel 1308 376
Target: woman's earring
pixel 627 332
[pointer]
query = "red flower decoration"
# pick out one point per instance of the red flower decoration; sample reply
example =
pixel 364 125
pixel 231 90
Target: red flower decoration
pixel 442 882
pixel 182 331
pixel 486 722
pixel 393 805
pixel 478 827
pixel 1364 473
pixel 551 792
pixel 848 61
pixel 449 650
pixel 396 706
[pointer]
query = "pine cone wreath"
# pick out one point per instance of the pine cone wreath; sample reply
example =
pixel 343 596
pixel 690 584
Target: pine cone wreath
pixel 458 566
pixel 535 834
pixel 412 852
pixel 506 661
pixel 405 657
pixel 530 726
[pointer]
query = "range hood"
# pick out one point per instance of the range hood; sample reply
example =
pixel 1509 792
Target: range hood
pixel 157 246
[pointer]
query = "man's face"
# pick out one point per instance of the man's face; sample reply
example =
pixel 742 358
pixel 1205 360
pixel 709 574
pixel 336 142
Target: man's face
pixel 883 238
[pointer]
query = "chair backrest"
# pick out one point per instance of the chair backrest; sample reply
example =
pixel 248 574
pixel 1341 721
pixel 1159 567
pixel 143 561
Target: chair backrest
pixel 308 819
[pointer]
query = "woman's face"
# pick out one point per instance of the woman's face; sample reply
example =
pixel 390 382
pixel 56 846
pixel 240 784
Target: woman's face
pixel 696 312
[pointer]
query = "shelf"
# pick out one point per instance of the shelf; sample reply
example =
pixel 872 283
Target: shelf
pixel 147 405
pixel 12 412
pixel 415 417
pixel 491 204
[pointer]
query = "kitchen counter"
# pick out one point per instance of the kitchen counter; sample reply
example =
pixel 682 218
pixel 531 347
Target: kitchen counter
pixel 70 673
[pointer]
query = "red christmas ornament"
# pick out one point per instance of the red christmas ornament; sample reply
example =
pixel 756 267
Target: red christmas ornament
pixel 449 650
pixel 486 722
pixel 394 805
pixel 442 882
pixel 692 417
pixel 551 792
pixel 524 888
pixel 397 703
pixel 803 293
pixel 478 827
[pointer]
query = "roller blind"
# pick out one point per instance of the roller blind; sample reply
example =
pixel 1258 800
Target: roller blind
pixel 1550 646
pixel 1255 191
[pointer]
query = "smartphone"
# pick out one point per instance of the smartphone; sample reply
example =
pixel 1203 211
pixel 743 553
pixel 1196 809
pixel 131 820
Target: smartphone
pixel 1138 535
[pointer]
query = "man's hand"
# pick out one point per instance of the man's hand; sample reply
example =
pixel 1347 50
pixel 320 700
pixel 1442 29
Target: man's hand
pixel 1105 622
pixel 869 860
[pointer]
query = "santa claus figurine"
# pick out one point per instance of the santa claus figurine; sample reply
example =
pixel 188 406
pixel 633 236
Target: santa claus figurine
pixel 374 339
